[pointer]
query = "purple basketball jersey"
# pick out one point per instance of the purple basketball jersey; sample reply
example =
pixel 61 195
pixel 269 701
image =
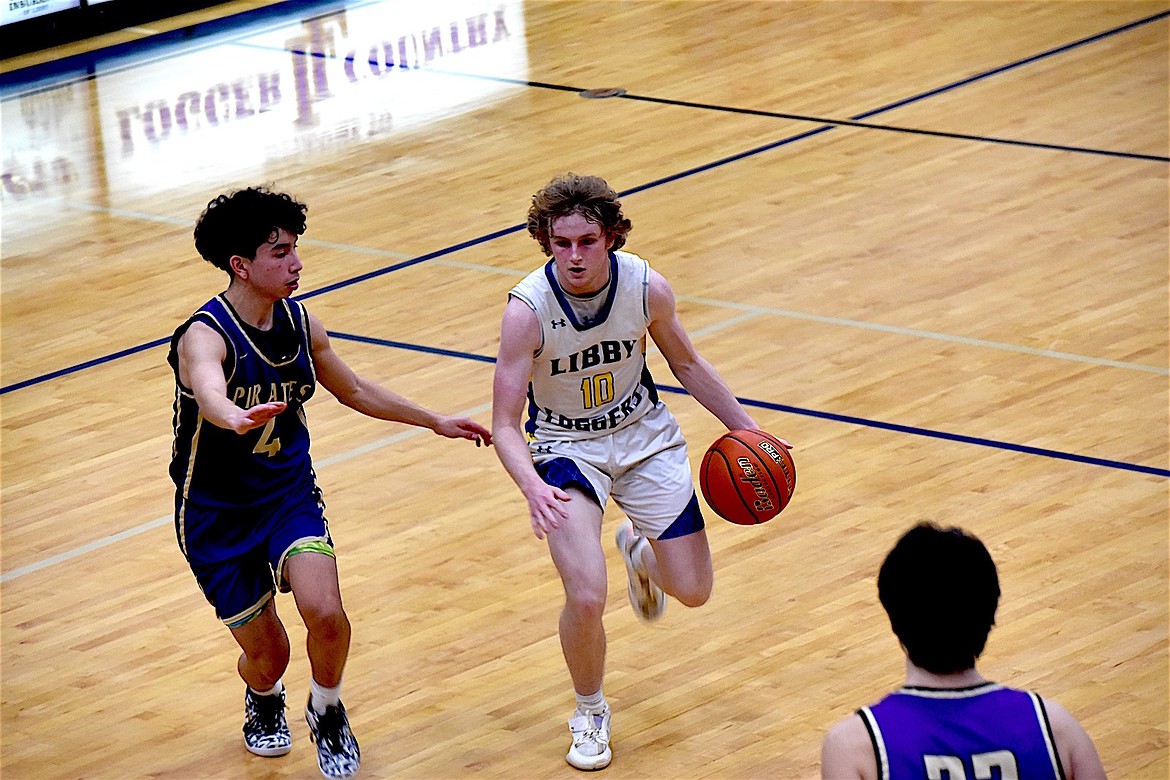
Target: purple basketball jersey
pixel 987 732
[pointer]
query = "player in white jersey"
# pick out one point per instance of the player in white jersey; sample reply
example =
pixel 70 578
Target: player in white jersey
pixel 576 420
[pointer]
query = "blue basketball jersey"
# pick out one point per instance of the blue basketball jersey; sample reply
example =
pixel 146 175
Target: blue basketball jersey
pixel 216 467
pixel 987 731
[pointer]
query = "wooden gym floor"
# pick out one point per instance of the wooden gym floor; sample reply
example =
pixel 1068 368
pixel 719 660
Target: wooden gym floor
pixel 926 242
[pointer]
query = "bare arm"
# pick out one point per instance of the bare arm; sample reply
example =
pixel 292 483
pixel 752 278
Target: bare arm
pixel 201 354
pixel 847 752
pixel 519 340
pixel 373 400
pixel 697 376
pixel 1078 755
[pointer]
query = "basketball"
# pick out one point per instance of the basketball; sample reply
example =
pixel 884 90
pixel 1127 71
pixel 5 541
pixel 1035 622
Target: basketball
pixel 747 477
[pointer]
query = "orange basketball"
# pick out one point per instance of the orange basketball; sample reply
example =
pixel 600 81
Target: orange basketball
pixel 747 477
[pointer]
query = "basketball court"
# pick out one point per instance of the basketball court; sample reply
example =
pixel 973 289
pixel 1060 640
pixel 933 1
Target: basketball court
pixel 926 243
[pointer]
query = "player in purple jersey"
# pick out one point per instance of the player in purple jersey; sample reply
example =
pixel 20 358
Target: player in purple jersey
pixel 940 588
pixel 248 514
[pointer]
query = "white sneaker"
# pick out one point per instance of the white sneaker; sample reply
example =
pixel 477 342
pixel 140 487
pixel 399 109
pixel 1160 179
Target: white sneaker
pixel 648 600
pixel 590 749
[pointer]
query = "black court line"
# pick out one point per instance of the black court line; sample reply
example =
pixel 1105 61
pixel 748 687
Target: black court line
pixel 987 139
pixel 827 125
pixel 845 418
pixel 1018 63
pixel 855 121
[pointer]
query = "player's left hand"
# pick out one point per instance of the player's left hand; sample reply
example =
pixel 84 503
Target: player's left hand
pixel 464 428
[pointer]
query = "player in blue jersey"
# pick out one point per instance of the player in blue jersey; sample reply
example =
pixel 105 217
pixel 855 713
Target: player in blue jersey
pixel 577 420
pixel 248 514
pixel 940 589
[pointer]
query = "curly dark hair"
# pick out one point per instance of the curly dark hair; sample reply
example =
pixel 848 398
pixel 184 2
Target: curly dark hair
pixel 569 193
pixel 941 590
pixel 240 222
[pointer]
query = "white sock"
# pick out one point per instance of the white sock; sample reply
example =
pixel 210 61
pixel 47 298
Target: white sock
pixel 594 704
pixel 638 553
pixel 321 697
pixel 275 689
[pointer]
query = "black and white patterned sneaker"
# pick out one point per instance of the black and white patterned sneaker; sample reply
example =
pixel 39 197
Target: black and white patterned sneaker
pixel 338 754
pixel 265 728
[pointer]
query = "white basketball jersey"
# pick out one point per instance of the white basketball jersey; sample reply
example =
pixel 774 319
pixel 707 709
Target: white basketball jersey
pixel 589 380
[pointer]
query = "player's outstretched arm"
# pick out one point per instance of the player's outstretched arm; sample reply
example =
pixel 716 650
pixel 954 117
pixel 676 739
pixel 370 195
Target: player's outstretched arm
pixel 697 376
pixel 201 355
pixel 373 400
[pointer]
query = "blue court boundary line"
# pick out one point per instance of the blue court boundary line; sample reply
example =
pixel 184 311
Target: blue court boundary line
pixel 82 366
pixel 845 418
pixel 408 263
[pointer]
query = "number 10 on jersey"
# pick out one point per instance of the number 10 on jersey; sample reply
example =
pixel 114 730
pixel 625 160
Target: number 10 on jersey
pixel 596 390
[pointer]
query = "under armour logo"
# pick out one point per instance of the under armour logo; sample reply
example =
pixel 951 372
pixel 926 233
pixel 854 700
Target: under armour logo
pixel 544 449
pixel 559 323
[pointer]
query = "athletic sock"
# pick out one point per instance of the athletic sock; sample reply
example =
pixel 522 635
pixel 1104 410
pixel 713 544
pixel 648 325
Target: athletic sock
pixel 275 689
pixel 594 703
pixel 321 697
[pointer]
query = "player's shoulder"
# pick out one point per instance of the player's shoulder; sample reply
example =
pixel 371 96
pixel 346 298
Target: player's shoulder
pixel 630 263
pixel 659 292
pixel 533 286
pixel 848 732
pixel 1059 718
pixel 847 750
pixel 1076 748
pixel 208 322
pixel 520 323
pixel 520 310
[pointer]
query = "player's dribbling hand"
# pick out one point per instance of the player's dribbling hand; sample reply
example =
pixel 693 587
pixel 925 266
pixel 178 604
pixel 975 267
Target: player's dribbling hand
pixel 777 438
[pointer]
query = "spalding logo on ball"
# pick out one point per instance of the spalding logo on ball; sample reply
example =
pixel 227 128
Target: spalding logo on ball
pixel 747 477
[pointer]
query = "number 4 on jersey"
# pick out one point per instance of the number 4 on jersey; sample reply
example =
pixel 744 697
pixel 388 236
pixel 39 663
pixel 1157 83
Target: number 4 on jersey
pixel 268 443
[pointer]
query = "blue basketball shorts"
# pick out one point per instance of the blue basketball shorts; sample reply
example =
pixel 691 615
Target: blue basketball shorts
pixel 238 554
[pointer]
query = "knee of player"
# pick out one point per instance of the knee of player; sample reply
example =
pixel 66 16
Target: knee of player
pixel 695 595
pixel 327 623
pixel 586 602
